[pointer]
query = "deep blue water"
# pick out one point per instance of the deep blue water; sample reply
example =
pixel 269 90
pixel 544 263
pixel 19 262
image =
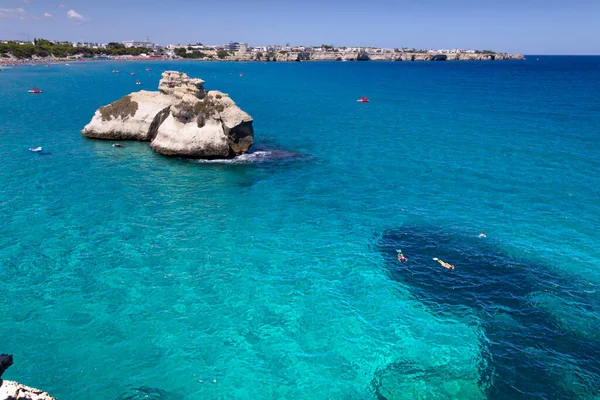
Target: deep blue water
pixel 128 275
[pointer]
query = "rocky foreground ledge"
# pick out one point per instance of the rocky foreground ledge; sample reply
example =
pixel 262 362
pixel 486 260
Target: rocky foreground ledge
pixel 10 390
pixel 181 119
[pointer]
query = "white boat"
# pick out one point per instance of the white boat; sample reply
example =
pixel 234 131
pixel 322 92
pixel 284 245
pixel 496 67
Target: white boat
pixel 34 90
pixel 35 149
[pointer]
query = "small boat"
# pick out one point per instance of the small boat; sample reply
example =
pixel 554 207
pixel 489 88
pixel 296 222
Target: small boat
pixel 34 90
pixel 117 145
pixel 138 82
pixel 148 69
pixel 132 73
pixel 35 149
pixel 241 74
pixel 115 71
pixel 362 100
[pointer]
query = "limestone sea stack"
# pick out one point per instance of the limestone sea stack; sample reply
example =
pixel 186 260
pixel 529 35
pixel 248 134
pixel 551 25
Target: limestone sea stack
pixel 182 119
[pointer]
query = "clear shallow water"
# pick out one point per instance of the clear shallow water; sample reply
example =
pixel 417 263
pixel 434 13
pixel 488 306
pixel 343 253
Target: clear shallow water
pixel 126 274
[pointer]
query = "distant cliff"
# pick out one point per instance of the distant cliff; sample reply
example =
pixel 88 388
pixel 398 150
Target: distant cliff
pixel 296 56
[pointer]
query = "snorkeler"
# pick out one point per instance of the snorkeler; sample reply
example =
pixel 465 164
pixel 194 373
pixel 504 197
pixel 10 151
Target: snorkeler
pixel 401 257
pixel 443 264
pixel 482 234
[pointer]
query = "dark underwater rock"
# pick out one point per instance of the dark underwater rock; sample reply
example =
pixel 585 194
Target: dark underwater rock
pixel 526 350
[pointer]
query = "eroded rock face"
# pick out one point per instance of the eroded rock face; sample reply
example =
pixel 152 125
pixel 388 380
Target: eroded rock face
pixel 211 127
pixel 182 119
pixel 134 117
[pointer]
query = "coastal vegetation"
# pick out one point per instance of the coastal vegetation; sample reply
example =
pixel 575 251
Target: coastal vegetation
pixel 222 54
pixel 122 108
pixel 45 48
pixel 194 54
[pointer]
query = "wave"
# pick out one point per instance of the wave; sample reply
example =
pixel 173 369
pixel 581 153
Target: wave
pixel 257 156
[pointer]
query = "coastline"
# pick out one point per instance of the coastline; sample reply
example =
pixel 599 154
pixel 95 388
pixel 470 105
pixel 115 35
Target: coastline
pixel 283 57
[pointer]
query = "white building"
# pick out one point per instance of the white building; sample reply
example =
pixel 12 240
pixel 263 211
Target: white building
pixel 133 43
pixel 234 46
pixel 90 45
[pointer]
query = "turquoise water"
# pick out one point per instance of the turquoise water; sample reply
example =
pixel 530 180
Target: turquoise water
pixel 129 275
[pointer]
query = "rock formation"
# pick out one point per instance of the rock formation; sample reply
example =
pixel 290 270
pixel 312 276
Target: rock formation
pixel 10 390
pixel 15 391
pixel 6 360
pixel 182 119
pixel 134 117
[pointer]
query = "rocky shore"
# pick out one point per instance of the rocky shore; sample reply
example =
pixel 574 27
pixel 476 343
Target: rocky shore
pixel 10 390
pixel 181 119
pixel 289 56
pixel 296 56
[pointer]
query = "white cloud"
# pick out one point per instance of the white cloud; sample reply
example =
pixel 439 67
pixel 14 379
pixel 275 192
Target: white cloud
pixel 13 13
pixel 76 17
pixel 48 15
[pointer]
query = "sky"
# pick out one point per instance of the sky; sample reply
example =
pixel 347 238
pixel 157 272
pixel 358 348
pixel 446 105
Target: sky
pixel 515 26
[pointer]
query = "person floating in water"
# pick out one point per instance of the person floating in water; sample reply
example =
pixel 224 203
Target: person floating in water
pixel 401 257
pixel 444 264
pixel 117 145
pixel 482 234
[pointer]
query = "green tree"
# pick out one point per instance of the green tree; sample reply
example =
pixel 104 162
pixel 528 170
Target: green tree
pixel 42 42
pixel 115 45
pixel 222 54
pixel 196 54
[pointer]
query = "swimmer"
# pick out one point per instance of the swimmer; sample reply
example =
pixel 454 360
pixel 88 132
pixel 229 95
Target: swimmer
pixel 444 264
pixel 482 234
pixel 401 257
pixel 117 145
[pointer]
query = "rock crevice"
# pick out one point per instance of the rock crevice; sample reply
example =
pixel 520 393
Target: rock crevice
pixel 181 119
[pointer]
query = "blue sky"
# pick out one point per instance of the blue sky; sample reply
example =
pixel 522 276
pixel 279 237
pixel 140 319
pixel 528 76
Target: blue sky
pixel 522 26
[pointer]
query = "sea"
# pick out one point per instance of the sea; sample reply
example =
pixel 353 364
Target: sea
pixel 128 275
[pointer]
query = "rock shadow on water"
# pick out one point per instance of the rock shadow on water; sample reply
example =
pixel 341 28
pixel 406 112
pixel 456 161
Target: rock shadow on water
pixel 526 350
pixel 147 393
pixel 260 156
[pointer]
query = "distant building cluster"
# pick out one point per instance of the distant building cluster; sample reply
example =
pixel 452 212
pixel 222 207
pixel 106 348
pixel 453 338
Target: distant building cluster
pixel 241 48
